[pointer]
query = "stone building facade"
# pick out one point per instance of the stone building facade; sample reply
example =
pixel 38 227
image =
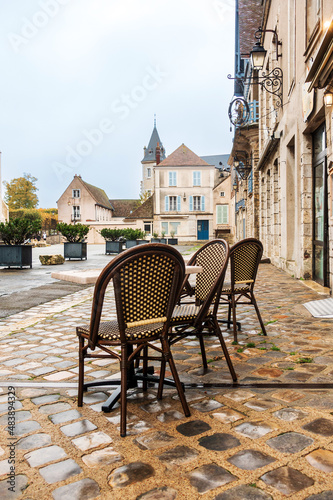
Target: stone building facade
pixel 291 206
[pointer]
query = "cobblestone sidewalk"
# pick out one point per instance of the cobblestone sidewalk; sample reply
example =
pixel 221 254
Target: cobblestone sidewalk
pixel 274 441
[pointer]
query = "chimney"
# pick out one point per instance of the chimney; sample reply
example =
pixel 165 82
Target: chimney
pixel 158 154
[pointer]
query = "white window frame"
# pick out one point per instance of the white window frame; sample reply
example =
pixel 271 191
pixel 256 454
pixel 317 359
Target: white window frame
pixel 76 213
pixel 148 172
pixel 222 193
pixel 76 193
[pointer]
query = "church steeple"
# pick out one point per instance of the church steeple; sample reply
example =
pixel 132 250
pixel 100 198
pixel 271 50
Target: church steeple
pixel 150 151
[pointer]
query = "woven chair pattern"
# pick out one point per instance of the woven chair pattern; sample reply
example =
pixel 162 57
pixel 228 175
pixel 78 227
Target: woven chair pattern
pixel 211 259
pixel 245 258
pixel 145 287
pixel 109 330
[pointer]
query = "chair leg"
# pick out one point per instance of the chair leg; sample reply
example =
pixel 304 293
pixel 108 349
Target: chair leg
pixel 123 401
pixel 167 355
pixel 254 302
pixel 203 352
pixel 229 311
pixel 234 321
pixel 225 351
pixel 81 372
pixel 161 379
pixel 144 367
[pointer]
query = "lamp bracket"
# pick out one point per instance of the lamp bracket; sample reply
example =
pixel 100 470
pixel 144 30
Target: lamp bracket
pixel 271 82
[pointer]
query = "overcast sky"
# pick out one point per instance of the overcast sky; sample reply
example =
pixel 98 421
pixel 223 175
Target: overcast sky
pixel 81 81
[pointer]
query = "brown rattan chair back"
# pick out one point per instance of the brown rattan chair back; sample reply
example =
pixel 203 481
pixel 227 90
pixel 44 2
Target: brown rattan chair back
pixel 245 257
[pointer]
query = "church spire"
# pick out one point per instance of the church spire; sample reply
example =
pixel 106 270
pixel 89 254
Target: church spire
pixel 150 151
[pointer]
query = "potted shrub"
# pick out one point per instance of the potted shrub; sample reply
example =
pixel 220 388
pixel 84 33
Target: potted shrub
pixel 172 240
pixel 155 238
pixel 15 234
pixel 163 239
pixel 133 236
pixel 113 240
pixel 75 247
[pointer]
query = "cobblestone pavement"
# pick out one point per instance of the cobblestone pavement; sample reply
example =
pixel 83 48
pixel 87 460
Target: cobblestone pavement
pixel 274 441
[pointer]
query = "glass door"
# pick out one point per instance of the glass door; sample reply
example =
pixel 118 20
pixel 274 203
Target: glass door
pixel 320 210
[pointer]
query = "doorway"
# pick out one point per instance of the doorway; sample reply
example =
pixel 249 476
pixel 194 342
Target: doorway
pixel 320 268
pixel 203 229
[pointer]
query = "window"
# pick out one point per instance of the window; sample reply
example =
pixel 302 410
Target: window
pixel 76 193
pixel 172 178
pixel 197 203
pixel 148 172
pixel 172 203
pixel 147 227
pixel 174 227
pixel 165 228
pixel 196 178
pixel 76 213
pixel 222 193
pixel 222 214
pixel 312 18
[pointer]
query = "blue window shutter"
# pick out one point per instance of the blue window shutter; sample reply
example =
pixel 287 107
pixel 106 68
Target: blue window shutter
pixel 167 203
pixel 191 203
pixel 202 203
pixel 170 178
pixel 178 203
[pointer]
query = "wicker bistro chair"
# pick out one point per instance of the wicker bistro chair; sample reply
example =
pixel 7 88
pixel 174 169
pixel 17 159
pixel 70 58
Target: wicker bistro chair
pixel 200 318
pixel 244 261
pixel 146 281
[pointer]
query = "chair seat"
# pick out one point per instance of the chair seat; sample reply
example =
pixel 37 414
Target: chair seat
pixel 185 312
pixel 108 330
pixel 237 289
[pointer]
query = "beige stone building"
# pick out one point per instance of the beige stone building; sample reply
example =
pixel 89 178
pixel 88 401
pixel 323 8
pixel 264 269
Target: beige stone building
pixel 290 153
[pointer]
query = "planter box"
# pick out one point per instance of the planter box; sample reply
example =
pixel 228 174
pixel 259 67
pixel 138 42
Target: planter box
pixel 163 240
pixel 130 243
pixel 75 250
pixel 172 241
pixel 16 256
pixel 113 246
pixel 155 240
pixel 141 242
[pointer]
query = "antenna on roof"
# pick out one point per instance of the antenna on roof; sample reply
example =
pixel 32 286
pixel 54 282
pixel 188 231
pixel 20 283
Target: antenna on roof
pixel 155 120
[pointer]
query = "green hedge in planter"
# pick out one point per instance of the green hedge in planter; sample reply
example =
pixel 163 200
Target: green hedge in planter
pixel 17 231
pixel 74 233
pixel 112 234
pixel 134 234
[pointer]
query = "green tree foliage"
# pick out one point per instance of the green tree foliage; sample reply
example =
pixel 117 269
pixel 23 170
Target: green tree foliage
pixel 73 232
pixel 112 234
pixel 21 192
pixel 17 231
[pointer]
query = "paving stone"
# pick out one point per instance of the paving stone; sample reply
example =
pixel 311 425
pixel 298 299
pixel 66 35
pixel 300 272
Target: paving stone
pixel 207 405
pixel 250 459
pixel 49 398
pixel 192 395
pixel 287 480
pixel 85 489
pixel 193 428
pixel 163 493
pixel 321 460
pixel 54 408
pixel 14 362
pixel 51 359
pixel 20 484
pixel 130 474
pixel 209 477
pixel 290 414
pixel 77 428
pixel 65 416
pixel 321 426
pixel 25 427
pixel 4 467
pixel 170 416
pixel 325 495
pixel 94 397
pixel 288 396
pixel 296 376
pixel 100 458
pixel 253 430
pixel 154 441
pixel 44 455
pixel 33 441
pixel 42 371
pixel 156 406
pixel 289 442
pixel 239 395
pixel 20 416
pixel 60 471
pixel 57 377
pixel 268 372
pixel 4 407
pixel 30 392
pixel 227 416
pixel 243 492
pixel 93 440
pixel 178 455
pixel 260 404
pixel 219 442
